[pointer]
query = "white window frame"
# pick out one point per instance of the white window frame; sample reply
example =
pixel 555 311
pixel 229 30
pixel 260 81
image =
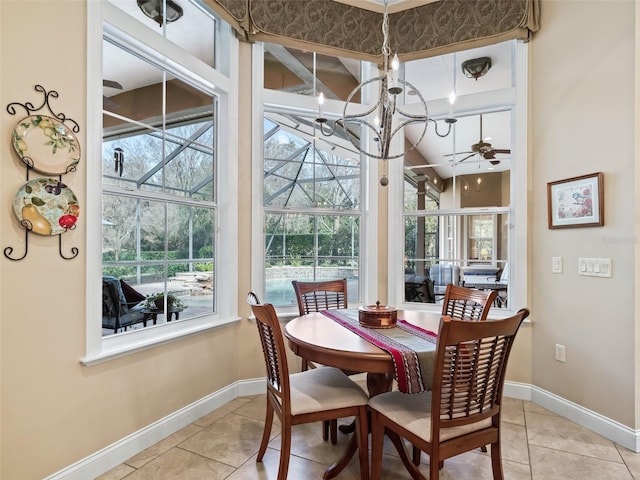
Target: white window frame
pixel 118 24
pixel 514 98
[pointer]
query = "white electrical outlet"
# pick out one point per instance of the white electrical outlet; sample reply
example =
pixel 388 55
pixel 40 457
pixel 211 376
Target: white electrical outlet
pixel 561 353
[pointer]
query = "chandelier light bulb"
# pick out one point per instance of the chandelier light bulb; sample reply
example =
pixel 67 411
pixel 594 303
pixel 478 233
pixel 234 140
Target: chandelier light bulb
pixel 320 103
pixel 395 63
pixel 394 87
pixel 452 100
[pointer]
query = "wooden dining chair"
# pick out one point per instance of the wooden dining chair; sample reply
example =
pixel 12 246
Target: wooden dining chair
pixel 314 395
pixel 313 297
pixel 464 304
pixel 462 411
pixel 322 295
pixel 467 303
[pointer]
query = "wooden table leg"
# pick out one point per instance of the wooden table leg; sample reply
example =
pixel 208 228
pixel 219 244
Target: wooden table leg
pixel 376 383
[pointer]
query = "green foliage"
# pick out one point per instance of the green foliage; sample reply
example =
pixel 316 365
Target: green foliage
pixel 156 300
pixel 119 271
pixel 203 267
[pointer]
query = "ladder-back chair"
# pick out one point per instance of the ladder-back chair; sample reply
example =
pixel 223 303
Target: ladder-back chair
pixel 314 395
pixel 462 411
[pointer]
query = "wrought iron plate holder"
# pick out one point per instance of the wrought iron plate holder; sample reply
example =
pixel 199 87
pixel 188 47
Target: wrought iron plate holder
pixel 28 162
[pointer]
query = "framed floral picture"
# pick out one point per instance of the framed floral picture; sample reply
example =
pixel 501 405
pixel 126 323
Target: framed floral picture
pixel 576 202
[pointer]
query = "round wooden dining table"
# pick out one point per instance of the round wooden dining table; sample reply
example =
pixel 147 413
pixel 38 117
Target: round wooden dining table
pixel 322 340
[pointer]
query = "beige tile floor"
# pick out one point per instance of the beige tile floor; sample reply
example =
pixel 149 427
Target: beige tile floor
pixel 536 445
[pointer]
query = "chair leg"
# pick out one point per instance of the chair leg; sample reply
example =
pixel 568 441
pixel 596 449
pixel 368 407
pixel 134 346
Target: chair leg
pixel 362 432
pixel 416 456
pixel 496 461
pixel 483 448
pixel 268 422
pixel 333 427
pixel 377 440
pixel 434 469
pixel 330 428
pixel 285 449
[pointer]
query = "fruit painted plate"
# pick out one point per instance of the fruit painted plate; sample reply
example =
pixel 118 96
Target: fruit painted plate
pixel 46 145
pixel 46 206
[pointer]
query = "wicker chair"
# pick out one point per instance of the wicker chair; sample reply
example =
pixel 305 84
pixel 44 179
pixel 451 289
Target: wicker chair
pixel 463 410
pixel 318 394
pixel 313 297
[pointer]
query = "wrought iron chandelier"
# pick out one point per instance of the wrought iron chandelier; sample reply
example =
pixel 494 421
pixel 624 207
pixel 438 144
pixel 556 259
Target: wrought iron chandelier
pixel 386 118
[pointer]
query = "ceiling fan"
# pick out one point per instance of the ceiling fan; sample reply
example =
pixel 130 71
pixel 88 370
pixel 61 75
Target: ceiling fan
pixel 482 148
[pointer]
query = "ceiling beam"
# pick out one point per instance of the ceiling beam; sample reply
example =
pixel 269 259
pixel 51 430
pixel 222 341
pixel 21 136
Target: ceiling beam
pixel 289 60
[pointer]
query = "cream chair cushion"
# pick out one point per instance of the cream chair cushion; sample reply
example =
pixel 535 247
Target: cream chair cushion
pixel 324 388
pixel 413 412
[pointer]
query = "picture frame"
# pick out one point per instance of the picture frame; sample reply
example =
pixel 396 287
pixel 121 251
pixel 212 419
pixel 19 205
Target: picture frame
pixel 576 202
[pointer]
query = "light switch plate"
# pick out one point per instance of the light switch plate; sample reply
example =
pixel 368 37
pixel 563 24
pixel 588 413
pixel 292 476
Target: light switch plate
pixel 556 264
pixel 594 267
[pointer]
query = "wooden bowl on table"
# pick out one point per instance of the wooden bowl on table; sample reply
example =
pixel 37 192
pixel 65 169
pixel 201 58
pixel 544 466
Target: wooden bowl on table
pixel 377 316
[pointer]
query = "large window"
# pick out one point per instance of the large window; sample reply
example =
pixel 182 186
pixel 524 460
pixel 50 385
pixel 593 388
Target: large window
pixel 164 239
pixel 311 185
pixel 460 196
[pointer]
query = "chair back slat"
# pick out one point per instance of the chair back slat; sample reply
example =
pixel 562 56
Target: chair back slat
pixel 469 373
pixel 252 298
pixel 316 296
pixel 467 303
pixel 273 348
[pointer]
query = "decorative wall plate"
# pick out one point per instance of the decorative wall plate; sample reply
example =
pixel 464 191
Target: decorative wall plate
pixel 46 145
pixel 46 206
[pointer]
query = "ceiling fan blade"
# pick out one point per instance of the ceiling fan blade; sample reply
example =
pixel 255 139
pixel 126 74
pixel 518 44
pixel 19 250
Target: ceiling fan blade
pixel 501 150
pixel 467 157
pixel 457 153
pixel 494 162
pixel 111 84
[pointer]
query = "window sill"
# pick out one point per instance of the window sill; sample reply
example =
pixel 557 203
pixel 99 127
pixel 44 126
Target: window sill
pixel 117 346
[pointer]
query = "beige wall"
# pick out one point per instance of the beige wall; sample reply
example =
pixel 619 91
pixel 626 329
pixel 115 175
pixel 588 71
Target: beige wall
pixel 582 121
pixel 55 412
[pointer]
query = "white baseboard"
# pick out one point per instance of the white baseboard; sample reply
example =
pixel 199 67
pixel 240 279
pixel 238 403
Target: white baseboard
pixel 611 429
pixel 109 457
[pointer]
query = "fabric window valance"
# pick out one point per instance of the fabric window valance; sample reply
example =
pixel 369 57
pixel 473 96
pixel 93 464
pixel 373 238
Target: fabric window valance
pixel 338 29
